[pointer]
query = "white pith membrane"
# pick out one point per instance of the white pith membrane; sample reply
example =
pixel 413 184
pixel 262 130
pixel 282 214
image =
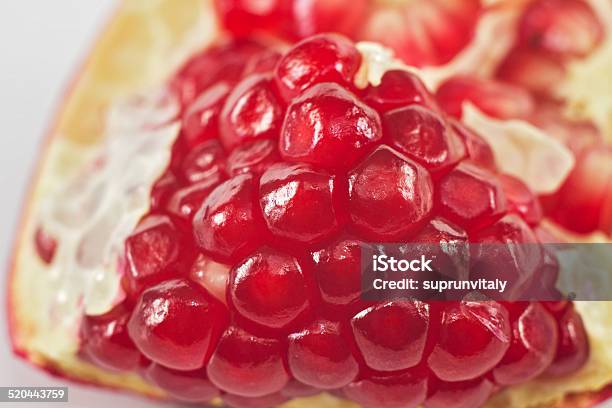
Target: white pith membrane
pixel 84 276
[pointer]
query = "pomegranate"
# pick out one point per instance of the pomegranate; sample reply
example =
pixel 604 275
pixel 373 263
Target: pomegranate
pixel 239 278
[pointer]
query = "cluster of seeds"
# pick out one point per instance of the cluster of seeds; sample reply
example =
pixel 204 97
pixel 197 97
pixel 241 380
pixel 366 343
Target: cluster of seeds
pixel 244 279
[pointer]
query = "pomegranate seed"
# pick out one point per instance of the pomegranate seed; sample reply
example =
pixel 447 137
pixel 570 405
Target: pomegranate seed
pixel 269 288
pixel 478 150
pixel 45 245
pixel 423 32
pixel 473 338
pixel 573 348
pixel 521 200
pixel 329 127
pixel 242 17
pixel 298 202
pixel 494 98
pixel 470 197
pixel 267 401
pixel 204 161
pixel 247 365
pixel 424 136
pixel 398 88
pixel 177 324
pixel 228 224
pixel 189 386
pixel 262 63
pixel 459 394
pixel 530 352
pixel 185 202
pixel 201 119
pixel 391 336
pixel 163 189
pixel 581 204
pixel 320 16
pixel 534 70
pixel 446 245
pixel 254 157
pixel 388 183
pixel 320 356
pixel 401 390
pixel 251 112
pixel 223 62
pixel 507 250
pixel 321 58
pixel 338 271
pixel 565 27
pixel 152 252
pixel 105 340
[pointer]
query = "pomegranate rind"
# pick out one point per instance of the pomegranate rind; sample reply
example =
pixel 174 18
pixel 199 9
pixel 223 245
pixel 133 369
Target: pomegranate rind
pixel 104 79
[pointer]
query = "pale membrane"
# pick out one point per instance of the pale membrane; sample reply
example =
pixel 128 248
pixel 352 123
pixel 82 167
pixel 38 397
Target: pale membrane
pixel 125 61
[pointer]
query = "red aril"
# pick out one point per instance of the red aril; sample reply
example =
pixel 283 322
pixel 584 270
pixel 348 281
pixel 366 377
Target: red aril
pixel 573 347
pixel 330 127
pixel 254 157
pixel 320 356
pixel 459 394
pixel 201 119
pixel 251 112
pixel 388 183
pixel 398 88
pixel 248 365
pixel 177 324
pixel 105 340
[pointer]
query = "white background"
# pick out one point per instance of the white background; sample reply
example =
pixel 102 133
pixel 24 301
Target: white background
pixel 42 42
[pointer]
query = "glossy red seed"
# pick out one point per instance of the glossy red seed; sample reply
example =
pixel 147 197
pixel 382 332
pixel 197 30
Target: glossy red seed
pixel 185 201
pixel 573 347
pixel 254 157
pixel 228 224
pixel 262 63
pixel 320 58
pixel 222 62
pixel 177 324
pixel 267 401
pixel 495 98
pixel 243 17
pixel 534 334
pixel 152 252
pixel 163 188
pixel 398 88
pixel 299 202
pixel 521 200
pixel 424 136
pixel 398 390
pixel 391 184
pixel 269 288
pixel 568 28
pixel 203 162
pixel 200 121
pixel 473 337
pixel 471 197
pixel 329 127
pixel 460 394
pixel 251 112
pixel 320 356
pixel 248 365
pixel 105 340
pixel 45 245
pixel 391 336
pixel 478 150
pixel 507 250
pixel 188 386
pixel 337 269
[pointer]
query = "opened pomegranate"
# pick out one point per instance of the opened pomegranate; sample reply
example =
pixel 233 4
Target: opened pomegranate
pixel 244 281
